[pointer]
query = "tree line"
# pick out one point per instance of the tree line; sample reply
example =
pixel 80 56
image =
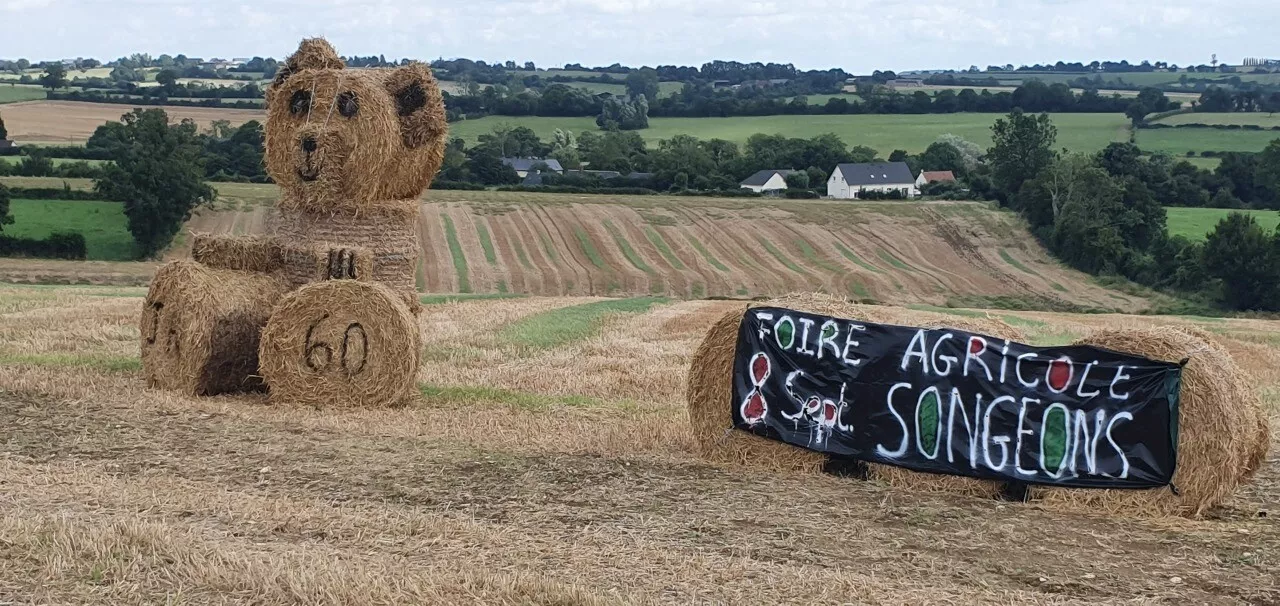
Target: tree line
pixel 704 101
pixel 1104 213
pixel 227 153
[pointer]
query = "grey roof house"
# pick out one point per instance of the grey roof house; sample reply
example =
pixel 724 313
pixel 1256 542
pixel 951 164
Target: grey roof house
pixel 849 180
pixel 522 166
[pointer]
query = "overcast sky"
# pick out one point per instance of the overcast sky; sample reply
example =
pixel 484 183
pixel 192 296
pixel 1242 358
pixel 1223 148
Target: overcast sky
pixel 857 35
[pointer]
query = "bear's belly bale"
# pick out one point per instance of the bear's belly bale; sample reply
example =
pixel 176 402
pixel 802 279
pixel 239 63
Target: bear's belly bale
pixel 320 244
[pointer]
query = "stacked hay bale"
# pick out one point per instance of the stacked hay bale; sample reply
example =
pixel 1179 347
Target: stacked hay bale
pixel 710 390
pixel 352 152
pixel 384 244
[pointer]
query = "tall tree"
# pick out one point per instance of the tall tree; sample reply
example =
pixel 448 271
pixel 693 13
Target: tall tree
pixel 944 156
pixel 167 78
pixel 1023 146
pixel 55 76
pixel 158 173
pixel 1239 253
pixel 643 82
pixel 5 217
pixel 4 133
pixel 682 154
pixel 1266 176
pixel 969 150
pixel 508 141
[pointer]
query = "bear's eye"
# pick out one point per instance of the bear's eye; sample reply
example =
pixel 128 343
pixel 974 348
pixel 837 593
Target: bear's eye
pixel 301 102
pixel 348 105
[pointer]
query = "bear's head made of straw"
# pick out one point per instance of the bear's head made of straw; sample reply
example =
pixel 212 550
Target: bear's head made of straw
pixel 342 140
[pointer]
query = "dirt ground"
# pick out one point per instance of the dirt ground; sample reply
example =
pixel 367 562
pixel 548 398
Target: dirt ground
pixel 75 121
pixel 559 475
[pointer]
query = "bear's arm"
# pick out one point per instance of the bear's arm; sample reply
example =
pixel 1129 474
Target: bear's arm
pixel 244 253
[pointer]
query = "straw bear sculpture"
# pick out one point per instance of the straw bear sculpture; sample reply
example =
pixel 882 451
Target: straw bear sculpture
pixel 323 310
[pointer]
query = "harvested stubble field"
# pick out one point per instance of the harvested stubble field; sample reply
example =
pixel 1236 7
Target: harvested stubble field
pixel 75 121
pixel 535 469
pixel 686 247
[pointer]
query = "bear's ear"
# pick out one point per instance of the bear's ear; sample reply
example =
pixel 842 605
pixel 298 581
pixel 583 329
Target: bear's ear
pixel 419 104
pixel 313 53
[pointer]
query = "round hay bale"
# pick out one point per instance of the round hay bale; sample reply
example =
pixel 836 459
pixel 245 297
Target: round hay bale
pixel 341 342
pixel 1246 396
pixel 710 388
pixel 1216 429
pixel 200 328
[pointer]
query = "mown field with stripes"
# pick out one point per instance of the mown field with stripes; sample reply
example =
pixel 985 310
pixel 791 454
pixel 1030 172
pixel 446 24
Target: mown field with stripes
pixel 959 254
pixel 930 253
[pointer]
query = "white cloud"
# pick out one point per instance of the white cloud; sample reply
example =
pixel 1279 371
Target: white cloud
pixel 858 35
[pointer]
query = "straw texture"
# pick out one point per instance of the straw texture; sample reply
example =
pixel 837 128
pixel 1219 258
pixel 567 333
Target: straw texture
pixel 200 328
pixel 341 343
pixel 1217 437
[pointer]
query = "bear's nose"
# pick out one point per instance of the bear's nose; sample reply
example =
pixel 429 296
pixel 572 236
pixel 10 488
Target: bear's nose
pixel 308 144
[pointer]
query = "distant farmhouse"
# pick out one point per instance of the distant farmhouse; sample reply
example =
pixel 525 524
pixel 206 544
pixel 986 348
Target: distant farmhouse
pixel 767 181
pixel 905 83
pixel 940 176
pixel 848 181
pixel 523 166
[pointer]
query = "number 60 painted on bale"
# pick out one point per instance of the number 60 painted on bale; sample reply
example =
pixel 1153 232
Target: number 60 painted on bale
pixel 345 361
pixel 341 342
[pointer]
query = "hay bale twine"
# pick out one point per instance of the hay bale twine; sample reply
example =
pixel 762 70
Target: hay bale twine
pixel 341 342
pixel 200 328
pixel 710 388
pixel 1217 429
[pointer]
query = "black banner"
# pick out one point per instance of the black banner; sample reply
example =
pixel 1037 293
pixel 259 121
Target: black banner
pixel 953 402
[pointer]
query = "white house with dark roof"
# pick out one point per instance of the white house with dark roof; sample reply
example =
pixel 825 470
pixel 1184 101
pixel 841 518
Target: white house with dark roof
pixel 767 180
pixel 848 181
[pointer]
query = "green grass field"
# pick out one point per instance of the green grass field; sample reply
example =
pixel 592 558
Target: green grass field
pixel 13 93
pixel 1200 162
pixel 885 133
pixel 1194 223
pixel 1263 119
pixel 61 161
pixel 1179 141
pixel 103 225
pixel 570 324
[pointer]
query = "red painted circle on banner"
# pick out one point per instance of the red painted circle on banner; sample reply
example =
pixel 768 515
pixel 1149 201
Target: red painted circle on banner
pixel 1059 374
pixel 759 369
pixel 755 407
pixel 813 405
pixel 975 346
pixel 830 410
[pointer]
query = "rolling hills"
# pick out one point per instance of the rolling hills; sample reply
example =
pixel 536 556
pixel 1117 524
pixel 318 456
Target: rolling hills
pixel 905 253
